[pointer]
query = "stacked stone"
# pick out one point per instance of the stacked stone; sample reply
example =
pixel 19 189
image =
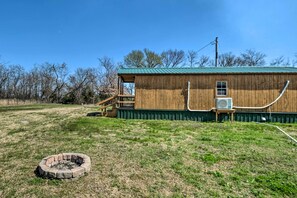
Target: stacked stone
pixel 46 170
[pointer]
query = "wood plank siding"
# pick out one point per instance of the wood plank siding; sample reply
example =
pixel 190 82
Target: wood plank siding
pixel 169 92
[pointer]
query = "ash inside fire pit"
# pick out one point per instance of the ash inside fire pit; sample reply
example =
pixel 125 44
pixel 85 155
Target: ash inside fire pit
pixel 64 166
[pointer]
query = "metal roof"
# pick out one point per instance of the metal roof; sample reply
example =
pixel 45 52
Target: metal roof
pixel 207 70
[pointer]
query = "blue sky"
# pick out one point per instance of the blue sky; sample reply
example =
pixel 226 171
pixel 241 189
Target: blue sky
pixel 80 31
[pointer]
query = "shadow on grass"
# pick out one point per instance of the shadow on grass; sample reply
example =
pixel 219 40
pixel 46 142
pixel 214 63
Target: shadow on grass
pixel 94 114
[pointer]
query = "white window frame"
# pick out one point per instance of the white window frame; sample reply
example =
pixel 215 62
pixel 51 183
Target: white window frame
pixel 221 88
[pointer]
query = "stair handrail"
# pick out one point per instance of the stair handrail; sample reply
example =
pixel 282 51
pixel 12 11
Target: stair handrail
pixel 107 100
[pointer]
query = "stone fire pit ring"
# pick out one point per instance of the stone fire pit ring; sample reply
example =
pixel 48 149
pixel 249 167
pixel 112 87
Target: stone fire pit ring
pixel 64 166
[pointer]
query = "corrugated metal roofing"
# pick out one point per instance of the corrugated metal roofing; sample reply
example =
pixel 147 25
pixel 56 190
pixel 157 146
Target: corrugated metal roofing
pixel 207 70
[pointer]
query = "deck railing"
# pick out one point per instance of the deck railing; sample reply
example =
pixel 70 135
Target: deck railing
pixel 127 101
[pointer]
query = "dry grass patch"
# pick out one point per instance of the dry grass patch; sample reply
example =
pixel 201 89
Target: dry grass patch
pixel 145 158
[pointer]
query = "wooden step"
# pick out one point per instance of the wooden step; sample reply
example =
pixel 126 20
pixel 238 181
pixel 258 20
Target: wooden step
pixel 126 102
pixel 104 107
pixel 126 96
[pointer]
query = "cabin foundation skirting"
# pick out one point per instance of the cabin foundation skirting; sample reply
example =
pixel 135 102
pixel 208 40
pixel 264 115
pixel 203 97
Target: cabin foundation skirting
pixel 205 116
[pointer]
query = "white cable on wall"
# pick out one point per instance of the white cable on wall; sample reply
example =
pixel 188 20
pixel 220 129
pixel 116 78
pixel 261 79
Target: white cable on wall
pixel 188 101
pixel 237 107
pixel 270 104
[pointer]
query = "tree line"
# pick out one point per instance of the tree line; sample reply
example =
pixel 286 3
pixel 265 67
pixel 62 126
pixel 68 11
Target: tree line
pixel 179 58
pixel 53 83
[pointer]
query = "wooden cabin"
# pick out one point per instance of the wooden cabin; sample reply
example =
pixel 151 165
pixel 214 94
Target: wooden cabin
pixel 211 93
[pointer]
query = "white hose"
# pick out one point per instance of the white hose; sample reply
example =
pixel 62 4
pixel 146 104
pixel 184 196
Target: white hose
pixel 188 101
pixel 263 107
pixel 238 107
pixel 294 140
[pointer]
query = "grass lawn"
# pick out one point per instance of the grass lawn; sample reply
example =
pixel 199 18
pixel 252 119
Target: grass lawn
pixel 145 158
pixel 32 107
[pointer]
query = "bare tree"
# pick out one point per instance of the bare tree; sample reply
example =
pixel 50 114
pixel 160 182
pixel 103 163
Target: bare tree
pixel 52 81
pixel 280 61
pixel 46 81
pixel 29 83
pixel 192 57
pixel 251 58
pixel 204 61
pixel 36 79
pixel 79 85
pixel 228 60
pixel 59 72
pixel 3 79
pixel 294 62
pixel 108 80
pixel 173 58
pixel 16 73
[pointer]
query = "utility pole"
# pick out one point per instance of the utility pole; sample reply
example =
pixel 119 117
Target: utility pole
pixel 217 53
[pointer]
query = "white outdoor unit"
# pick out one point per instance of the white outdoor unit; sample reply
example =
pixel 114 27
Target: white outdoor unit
pixel 224 103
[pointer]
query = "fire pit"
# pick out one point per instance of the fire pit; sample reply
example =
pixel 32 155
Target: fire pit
pixel 64 166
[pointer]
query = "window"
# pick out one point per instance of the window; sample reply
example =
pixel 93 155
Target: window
pixel 221 88
pixel 129 89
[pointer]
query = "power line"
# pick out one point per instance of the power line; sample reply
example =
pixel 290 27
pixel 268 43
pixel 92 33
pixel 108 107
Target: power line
pixel 211 43
pixel 214 42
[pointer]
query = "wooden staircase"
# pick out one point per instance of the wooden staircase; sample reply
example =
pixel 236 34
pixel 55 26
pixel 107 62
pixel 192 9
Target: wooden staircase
pixel 109 106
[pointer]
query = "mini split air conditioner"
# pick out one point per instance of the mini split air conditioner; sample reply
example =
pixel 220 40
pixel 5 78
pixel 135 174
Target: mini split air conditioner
pixel 224 103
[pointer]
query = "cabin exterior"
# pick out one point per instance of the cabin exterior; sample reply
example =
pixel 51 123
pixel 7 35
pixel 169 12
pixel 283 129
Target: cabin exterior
pixel 254 93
